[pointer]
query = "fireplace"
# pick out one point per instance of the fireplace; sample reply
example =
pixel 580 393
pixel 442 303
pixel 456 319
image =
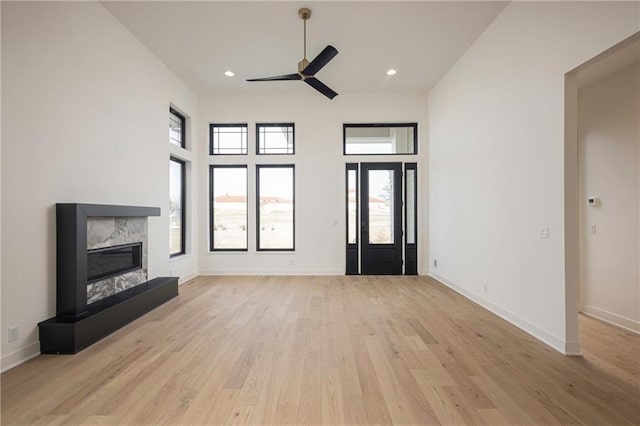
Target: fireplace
pixel 102 281
pixel 112 261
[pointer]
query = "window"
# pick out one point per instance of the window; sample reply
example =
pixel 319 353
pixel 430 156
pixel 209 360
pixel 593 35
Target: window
pixel 228 139
pixel 275 138
pixel 410 218
pixel 352 193
pixel 228 208
pixel 177 202
pixel 275 207
pixel 384 139
pixel 177 128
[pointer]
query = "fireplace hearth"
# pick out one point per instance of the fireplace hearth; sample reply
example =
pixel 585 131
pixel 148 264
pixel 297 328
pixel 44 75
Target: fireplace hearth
pixel 102 281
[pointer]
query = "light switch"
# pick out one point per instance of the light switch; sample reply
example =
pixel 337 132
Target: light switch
pixel 593 229
pixel 544 232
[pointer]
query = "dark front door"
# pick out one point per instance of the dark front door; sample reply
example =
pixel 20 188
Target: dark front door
pixel 381 218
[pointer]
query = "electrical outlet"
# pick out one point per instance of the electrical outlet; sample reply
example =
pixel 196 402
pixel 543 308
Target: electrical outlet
pixel 290 262
pixel 486 288
pixel 13 334
pixel 435 263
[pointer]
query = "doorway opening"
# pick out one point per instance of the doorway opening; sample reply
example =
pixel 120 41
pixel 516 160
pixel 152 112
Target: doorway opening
pixel 381 209
pixel 602 186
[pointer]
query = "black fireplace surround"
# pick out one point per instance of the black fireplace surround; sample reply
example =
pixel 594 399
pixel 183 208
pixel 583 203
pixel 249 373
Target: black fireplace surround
pixel 76 324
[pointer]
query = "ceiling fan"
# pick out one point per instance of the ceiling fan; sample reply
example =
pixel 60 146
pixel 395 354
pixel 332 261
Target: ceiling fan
pixel 307 70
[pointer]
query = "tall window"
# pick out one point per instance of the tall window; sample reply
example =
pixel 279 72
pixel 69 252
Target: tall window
pixel 177 128
pixel 275 207
pixel 275 138
pixel 177 202
pixel 228 139
pixel 228 208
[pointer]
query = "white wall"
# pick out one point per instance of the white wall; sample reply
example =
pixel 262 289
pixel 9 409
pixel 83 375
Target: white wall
pixel 78 88
pixel 609 149
pixel 497 166
pixel 320 174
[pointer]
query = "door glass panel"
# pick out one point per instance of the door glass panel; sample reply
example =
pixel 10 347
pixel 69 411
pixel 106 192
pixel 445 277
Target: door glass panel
pixel 411 206
pixel 352 224
pixel 381 202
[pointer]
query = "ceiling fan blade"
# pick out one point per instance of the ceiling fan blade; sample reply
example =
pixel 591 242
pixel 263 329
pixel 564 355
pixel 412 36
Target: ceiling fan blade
pixel 278 78
pixel 320 87
pixel 320 61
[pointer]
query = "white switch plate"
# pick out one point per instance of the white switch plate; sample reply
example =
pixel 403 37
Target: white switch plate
pixel 593 229
pixel 544 232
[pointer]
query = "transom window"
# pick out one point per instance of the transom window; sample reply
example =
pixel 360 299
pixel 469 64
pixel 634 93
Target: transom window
pixel 275 138
pixel 228 139
pixel 176 128
pixel 380 138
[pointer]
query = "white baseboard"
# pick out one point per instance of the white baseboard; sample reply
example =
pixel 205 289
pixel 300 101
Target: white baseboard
pixel 611 318
pixel 20 356
pixel 565 348
pixel 290 272
pixel 183 279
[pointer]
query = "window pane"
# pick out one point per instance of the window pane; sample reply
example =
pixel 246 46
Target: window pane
pixel 228 139
pixel 176 207
pixel 411 206
pixel 380 139
pixel 276 207
pixel 275 138
pixel 352 223
pixel 176 128
pixel 229 208
pixel 380 206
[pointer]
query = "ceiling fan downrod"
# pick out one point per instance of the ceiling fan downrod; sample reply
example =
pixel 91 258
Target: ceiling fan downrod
pixel 304 14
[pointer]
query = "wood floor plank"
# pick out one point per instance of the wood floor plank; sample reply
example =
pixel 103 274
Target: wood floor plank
pixel 318 350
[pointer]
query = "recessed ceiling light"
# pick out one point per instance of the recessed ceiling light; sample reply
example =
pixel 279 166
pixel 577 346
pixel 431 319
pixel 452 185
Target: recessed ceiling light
pixel 391 72
pixel 229 73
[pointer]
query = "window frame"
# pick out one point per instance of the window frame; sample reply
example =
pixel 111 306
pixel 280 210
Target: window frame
pixel 183 205
pixel 293 135
pixel 212 167
pixel 293 178
pixel 361 125
pixel 183 128
pixel 212 126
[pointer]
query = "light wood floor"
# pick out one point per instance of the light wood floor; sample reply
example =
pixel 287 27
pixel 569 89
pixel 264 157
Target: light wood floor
pixel 328 350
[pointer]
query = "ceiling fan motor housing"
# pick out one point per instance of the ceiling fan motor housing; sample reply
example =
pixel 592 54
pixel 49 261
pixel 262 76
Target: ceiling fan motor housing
pixel 302 65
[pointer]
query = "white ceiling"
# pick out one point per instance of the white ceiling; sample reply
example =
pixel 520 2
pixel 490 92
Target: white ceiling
pixel 199 41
